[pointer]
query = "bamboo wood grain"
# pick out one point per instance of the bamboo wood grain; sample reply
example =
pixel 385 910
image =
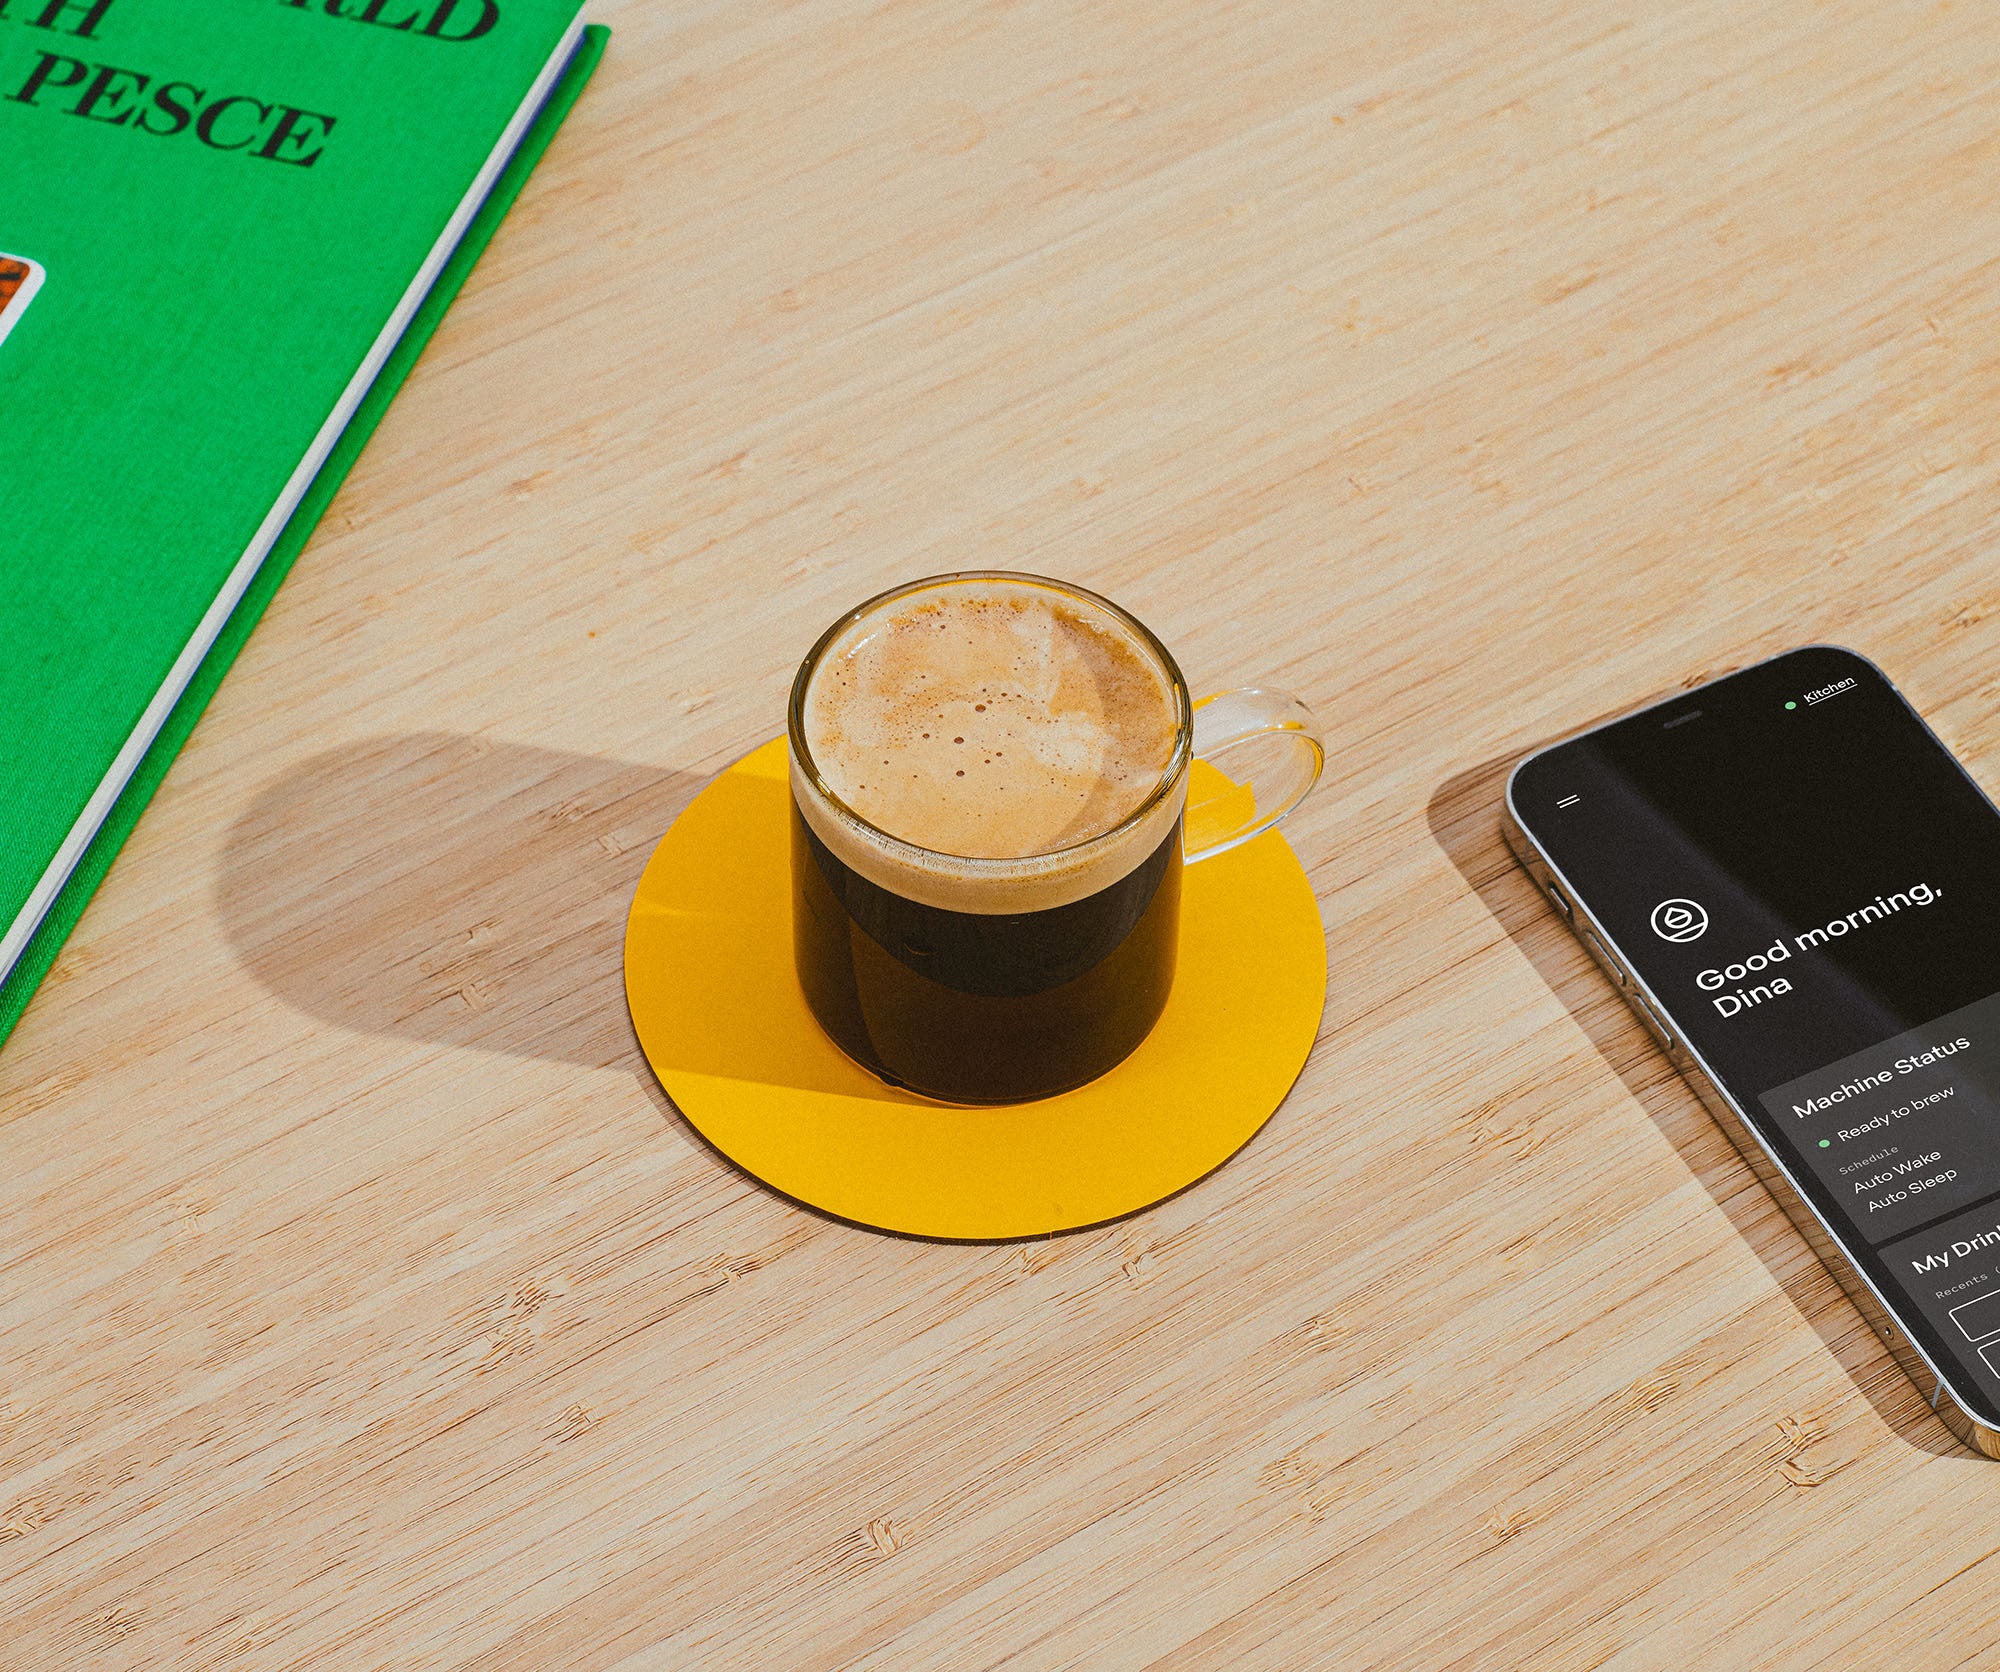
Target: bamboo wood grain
pixel 1476 371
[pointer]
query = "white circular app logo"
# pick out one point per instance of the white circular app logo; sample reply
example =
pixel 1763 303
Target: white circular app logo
pixel 1679 920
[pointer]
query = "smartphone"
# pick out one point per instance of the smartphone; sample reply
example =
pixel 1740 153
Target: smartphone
pixel 1796 886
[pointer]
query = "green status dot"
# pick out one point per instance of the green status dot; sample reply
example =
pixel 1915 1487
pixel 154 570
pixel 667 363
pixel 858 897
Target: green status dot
pixel 1791 705
pixel 1826 1143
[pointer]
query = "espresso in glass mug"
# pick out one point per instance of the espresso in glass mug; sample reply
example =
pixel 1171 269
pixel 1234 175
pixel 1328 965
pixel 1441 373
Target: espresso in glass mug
pixel 989 773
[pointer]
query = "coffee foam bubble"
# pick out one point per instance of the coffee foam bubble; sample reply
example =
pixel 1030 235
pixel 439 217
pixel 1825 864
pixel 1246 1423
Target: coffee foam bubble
pixel 991 733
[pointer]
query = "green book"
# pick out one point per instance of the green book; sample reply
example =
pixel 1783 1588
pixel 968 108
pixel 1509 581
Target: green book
pixel 226 229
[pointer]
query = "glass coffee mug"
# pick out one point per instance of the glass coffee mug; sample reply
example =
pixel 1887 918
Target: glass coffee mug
pixel 989 777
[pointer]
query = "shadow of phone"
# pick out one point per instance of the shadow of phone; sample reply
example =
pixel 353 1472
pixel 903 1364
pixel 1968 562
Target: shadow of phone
pixel 1464 817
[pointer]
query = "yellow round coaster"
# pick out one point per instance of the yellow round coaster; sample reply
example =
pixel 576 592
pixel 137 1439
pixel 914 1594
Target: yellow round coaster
pixel 708 975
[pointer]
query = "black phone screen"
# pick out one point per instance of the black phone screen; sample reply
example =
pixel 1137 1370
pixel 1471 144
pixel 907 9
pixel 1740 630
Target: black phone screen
pixel 1809 883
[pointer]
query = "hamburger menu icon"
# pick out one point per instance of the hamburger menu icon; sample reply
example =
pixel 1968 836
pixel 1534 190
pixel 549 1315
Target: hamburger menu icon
pixel 1680 920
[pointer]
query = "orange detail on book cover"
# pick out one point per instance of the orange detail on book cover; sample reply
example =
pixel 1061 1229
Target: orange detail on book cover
pixel 19 280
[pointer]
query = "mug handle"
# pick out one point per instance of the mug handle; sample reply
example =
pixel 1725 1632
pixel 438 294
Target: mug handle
pixel 1223 813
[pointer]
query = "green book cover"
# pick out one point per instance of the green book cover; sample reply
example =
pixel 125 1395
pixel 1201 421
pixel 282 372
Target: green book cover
pixel 223 224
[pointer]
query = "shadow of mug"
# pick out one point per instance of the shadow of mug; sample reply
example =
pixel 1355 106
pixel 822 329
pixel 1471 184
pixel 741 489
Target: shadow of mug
pixel 451 890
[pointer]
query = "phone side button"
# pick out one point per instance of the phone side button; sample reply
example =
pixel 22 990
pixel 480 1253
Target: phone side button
pixel 1651 1017
pixel 1597 951
pixel 1560 902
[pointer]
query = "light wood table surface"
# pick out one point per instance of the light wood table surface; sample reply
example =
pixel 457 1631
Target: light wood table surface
pixel 1475 370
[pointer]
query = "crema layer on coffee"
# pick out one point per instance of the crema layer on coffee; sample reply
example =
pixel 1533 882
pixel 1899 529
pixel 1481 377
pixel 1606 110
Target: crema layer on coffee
pixel 990 721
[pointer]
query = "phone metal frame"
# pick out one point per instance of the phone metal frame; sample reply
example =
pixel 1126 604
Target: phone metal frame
pixel 1876 1309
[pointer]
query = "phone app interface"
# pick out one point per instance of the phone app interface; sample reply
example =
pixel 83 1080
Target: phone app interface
pixel 1811 885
